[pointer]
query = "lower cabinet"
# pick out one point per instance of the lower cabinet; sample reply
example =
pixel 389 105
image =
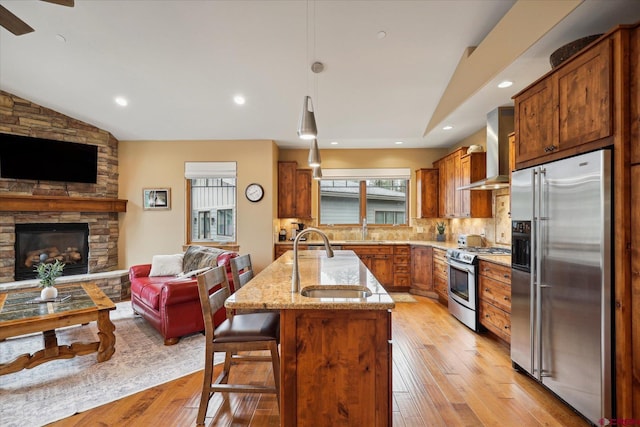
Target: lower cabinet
pixel 336 368
pixel 494 283
pixel 401 268
pixel 440 275
pixel 378 259
pixel 422 271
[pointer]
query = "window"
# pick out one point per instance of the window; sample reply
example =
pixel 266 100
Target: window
pixel 346 196
pixel 211 201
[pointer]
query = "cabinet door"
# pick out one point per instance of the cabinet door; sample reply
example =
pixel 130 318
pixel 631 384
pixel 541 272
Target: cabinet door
pixel 534 121
pixel 286 189
pixel 634 82
pixel 303 193
pixel 584 98
pixel 421 270
pixel 450 182
pixel 465 195
pixel 427 192
pixel 457 182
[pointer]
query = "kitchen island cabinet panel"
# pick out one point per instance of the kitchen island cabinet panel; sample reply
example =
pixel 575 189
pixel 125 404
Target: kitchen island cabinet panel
pixel 634 82
pixel 360 351
pixel 378 259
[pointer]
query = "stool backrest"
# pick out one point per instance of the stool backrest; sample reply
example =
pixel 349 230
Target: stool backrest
pixel 241 270
pixel 212 300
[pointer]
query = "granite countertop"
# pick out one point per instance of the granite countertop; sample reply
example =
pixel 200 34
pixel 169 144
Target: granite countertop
pixel 271 288
pixel 498 259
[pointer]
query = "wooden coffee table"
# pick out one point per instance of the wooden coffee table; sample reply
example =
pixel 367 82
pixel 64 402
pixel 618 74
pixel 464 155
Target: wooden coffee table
pixel 87 304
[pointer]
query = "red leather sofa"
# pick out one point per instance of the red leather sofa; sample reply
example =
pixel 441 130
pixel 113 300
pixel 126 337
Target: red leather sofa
pixel 172 305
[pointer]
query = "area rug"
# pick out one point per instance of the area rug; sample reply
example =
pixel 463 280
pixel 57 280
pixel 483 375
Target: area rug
pixel 61 388
pixel 401 297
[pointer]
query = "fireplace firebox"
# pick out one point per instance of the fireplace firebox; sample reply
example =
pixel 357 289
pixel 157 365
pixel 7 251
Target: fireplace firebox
pixel 48 242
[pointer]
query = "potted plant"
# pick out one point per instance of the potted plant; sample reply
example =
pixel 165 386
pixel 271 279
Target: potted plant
pixel 440 226
pixel 48 273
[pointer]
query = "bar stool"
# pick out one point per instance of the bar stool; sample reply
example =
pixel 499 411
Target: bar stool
pixel 240 332
pixel 241 270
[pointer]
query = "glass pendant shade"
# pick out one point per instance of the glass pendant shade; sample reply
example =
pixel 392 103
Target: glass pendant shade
pixel 317 173
pixel 314 154
pixel 307 127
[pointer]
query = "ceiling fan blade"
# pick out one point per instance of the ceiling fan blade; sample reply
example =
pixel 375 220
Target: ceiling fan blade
pixel 12 23
pixel 68 3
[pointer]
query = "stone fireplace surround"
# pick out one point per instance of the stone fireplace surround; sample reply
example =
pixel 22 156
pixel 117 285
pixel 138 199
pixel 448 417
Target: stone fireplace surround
pixel 26 201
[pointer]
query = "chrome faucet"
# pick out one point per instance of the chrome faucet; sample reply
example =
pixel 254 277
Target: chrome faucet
pixel 364 228
pixel 295 274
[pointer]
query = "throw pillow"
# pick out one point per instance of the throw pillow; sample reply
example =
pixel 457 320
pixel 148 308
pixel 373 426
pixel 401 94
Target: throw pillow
pixel 166 265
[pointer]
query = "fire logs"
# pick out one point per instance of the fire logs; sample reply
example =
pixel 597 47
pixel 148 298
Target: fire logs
pixel 49 255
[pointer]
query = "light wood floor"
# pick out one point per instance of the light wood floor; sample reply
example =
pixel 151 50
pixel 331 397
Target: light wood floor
pixel 443 375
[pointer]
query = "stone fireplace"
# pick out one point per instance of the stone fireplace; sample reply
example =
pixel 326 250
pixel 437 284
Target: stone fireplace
pixel 93 207
pixel 45 243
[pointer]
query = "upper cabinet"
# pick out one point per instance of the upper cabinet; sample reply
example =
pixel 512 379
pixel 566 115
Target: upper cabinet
pixel 427 189
pixel 294 191
pixel 567 109
pixel 458 169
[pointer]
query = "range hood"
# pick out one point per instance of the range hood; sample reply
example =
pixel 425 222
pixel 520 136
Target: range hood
pixel 499 126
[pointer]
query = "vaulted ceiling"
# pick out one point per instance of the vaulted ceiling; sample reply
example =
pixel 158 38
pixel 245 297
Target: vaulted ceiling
pixel 388 65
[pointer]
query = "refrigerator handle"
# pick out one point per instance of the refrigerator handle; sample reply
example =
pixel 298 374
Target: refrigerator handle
pixel 532 277
pixel 538 271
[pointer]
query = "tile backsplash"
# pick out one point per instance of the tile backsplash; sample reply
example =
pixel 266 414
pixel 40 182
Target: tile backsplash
pixel 496 230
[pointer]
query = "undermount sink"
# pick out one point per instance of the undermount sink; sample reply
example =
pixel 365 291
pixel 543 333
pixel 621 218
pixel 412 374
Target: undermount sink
pixel 336 292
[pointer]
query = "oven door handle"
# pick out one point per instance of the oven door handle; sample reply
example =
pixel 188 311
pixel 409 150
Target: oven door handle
pixel 459 267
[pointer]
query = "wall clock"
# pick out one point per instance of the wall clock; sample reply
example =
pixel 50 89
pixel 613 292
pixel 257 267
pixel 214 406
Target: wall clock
pixel 254 192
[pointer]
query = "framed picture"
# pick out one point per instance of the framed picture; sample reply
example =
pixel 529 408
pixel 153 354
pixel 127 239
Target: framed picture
pixel 156 198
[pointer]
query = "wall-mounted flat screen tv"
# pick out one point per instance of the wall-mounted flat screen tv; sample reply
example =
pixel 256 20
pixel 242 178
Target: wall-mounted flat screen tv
pixel 23 157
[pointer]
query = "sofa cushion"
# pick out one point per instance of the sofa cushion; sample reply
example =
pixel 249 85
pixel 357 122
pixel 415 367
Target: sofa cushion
pixel 166 265
pixel 148 289
pixel 197 257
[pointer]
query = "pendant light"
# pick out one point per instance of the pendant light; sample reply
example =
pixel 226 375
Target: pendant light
pixel 317 173
pixel 307 126
pixel 314 154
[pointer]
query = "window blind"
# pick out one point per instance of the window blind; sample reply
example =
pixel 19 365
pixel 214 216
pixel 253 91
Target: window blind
pixel 193 170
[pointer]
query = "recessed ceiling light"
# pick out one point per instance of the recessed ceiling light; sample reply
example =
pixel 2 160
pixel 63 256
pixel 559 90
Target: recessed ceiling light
pixel 239 99
pixel 121 101
pixel 334 142
pixel 505 83
pixel 447 127
pixel 399 142
pixel 381 34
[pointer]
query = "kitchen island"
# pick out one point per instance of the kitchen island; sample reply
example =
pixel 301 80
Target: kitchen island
pixel 335 351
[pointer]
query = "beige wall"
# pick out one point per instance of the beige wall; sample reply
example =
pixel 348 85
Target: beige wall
pixel 160 164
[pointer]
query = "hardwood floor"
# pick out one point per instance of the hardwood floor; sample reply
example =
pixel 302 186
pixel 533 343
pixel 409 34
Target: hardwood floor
pixel 443 375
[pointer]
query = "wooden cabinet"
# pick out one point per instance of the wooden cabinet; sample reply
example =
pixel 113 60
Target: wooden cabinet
pixel 634 99
pixel 401 268
pixel 494 286
pixel 422 271
pixel 474 204
pixel 458 169
pixel 378 259
pixel 294 191
pixel 336 368
pixel 440 275
pixel 427 186
pixel 566 109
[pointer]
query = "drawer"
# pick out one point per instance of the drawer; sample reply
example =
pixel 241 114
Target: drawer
pixel 498 272
pixel 495 320
pixel 401 268
pixel 495 293
pixel 441 287
pixel 404 250
pixel 402 259
pixel 440 268
pixel 401 280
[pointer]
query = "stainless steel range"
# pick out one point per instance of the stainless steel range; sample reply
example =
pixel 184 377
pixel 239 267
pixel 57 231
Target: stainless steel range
pixel 463 282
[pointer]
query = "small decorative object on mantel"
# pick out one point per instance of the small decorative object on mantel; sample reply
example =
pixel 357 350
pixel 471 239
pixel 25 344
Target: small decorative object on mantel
pixel 568 50
pixel 48 273
pixel 440 226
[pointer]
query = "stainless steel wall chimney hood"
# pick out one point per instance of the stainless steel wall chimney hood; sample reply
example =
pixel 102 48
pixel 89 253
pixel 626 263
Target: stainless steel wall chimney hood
pixel 499 126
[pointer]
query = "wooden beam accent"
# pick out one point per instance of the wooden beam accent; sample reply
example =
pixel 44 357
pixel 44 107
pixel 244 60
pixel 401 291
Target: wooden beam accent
pixel 26 203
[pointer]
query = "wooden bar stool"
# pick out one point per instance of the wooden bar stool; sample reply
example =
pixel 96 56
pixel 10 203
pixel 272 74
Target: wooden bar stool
pixel 240 332
pixel 241 270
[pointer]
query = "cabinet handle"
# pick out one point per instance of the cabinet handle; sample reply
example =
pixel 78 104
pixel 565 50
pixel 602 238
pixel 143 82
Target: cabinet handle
pixel 506 298
pixel 506 326
pixel 486 269
pixel 486 315
pixel 486 290
pixel 506 276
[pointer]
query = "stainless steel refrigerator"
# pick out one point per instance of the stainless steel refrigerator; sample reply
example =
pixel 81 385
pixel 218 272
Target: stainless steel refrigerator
pixel 562 280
